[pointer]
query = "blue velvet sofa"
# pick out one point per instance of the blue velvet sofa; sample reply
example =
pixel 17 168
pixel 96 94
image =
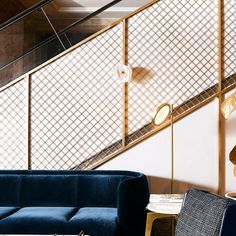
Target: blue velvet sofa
pixel 101 203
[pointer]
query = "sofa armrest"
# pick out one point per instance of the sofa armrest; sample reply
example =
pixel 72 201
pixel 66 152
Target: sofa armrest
pixel 228 227
pixel 133 197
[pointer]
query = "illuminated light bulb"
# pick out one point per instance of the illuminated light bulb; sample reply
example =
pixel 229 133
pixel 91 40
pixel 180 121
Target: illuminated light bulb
pixel 161 114
pixel 123 72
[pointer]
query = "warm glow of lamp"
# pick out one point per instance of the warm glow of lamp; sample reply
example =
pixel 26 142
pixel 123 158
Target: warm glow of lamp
pixel 162 114
pixel 229 105
pixel 123 72
pixel 232 158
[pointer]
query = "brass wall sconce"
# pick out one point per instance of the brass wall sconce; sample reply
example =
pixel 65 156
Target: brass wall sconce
pixel 229 105
pixel 163 113
pixel 232 158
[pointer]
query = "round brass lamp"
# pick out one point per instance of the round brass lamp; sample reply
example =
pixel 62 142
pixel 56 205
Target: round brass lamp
pixel 161 114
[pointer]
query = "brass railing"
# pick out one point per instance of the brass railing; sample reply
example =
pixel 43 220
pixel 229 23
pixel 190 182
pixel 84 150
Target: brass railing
pixel 76 114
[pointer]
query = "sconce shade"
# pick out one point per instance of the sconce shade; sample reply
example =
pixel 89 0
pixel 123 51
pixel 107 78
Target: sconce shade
pixel 232 155
pixel 161 114
pixel 123 72
pixel 229 105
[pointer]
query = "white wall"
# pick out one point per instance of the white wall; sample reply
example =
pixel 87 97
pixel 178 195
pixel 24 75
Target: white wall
pixel 195 154
pixel 196 149
pixel 151 157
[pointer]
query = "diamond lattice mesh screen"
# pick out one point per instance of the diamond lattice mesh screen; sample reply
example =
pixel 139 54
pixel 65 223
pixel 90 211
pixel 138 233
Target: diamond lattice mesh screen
pixel 77 104
pixel 13 126
pixel 172 47
pixel 230 42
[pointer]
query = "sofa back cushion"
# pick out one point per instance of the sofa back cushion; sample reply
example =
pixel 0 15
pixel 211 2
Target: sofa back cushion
pixel 9 190
pixel 61 188
pixel 49 190
pixel 99 190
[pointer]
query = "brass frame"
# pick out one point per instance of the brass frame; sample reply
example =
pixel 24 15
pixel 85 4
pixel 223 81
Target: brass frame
pixel 152 216
pixel 221 125
pixel 29 162
pixel 172 149
pixel 28 124
pixel 125 84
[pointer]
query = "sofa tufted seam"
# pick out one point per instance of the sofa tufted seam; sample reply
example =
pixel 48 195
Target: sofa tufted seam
pixel 77 192
pixel 72 214
pixel 20 190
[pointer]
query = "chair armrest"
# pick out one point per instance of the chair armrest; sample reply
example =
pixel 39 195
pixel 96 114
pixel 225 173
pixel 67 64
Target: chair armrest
pixel 228 226
pixel 133 197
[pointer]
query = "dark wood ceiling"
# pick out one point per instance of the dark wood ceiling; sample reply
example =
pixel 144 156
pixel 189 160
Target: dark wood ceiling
pixel 10 8
pixel 27 3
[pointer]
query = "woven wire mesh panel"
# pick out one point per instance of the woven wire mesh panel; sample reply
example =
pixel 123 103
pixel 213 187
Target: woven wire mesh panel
pixel 229 43
pixel 77 104
pixel 13 125
pixel 172 47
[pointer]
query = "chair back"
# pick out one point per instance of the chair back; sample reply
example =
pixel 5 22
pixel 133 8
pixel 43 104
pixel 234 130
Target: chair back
pixel 202 214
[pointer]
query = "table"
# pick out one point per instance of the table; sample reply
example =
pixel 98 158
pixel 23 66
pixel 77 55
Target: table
pixel 162 206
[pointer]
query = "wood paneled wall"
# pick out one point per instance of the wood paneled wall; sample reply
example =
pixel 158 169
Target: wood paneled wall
pixel 9 8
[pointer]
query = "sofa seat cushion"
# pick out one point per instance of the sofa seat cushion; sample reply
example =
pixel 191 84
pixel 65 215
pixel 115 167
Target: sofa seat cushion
pixel 43 220
pixel 6 211
pixel 94 221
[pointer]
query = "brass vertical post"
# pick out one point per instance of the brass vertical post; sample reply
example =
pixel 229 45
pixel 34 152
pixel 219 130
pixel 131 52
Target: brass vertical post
pixel 172 163
pixel 125 85
pixel 28 139
pixel 172 150
pixel 221 125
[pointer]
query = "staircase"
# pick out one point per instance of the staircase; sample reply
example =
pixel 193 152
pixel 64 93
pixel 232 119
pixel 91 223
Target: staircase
pixel 72 113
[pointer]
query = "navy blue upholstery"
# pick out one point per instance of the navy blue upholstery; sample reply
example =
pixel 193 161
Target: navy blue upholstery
pixel 90 220
pixel 6 211
pixel 135 203
pixel 11 194
pixel 102 203
pixel 102 191
pixel 40 220
pixel 53 190
pixel 228 227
